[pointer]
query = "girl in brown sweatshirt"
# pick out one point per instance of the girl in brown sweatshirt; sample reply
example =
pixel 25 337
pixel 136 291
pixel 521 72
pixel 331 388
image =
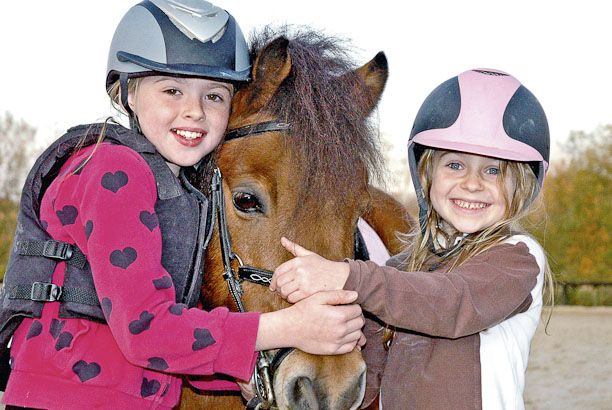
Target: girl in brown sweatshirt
pixel 462 304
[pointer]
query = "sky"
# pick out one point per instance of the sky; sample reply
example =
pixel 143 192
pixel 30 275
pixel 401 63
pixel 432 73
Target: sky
pixel 53 59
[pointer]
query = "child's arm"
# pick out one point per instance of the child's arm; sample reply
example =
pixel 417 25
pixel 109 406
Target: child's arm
pixel 487 289
pixel 306 274
pixel 484 291
pixel 314 325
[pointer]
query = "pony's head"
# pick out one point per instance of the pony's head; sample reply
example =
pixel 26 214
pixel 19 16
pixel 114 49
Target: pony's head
pixel 308 182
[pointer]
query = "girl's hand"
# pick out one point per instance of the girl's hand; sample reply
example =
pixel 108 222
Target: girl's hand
pixel 323 323
pixel 323 327
pixel 246 388
pixel 306 274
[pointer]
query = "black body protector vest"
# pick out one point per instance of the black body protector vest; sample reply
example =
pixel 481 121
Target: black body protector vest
pixel 27 286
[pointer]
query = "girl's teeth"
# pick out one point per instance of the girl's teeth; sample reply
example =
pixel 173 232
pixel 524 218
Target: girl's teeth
pixel 470 205
pixel 188 134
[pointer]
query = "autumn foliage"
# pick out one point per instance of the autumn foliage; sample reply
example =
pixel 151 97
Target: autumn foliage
pixel 577 213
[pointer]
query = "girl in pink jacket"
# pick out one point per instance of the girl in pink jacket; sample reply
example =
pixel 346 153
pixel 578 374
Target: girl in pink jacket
pixel 99 289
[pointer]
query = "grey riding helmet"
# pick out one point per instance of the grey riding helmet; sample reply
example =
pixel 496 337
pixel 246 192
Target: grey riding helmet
pixel 177 37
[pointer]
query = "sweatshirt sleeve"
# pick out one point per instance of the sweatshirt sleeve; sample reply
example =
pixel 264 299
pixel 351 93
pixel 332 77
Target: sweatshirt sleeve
pixel 112 198
pixel 375 356
pixel 482 292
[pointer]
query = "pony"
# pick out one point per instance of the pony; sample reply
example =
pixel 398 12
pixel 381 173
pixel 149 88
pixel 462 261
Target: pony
pixel 307 178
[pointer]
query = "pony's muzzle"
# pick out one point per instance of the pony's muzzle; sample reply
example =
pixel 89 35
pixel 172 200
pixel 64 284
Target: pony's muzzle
pixel 321 382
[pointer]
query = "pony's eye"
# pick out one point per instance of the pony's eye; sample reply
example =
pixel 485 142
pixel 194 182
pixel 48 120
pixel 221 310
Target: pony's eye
pixel 247 202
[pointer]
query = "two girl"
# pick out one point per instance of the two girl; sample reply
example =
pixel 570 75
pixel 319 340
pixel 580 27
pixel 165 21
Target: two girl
pixel 102 285
pixel 462 304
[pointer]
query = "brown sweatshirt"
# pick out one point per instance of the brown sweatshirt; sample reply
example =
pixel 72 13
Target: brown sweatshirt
pixel 434 359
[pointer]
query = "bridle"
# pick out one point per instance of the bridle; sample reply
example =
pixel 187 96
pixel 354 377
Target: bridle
pixel 267 362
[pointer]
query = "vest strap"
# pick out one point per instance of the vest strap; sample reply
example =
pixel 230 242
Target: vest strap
pixel 53 249
pixel 50 292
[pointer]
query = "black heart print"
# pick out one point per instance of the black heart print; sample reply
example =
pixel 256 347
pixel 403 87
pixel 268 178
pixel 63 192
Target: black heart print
pixel 140 325
pixel 68 215
pixel 149 220
pixel 85 370
pixel 63 341
pixel 114 182
pixel 203 338
pixel 107 307
pixel 157 363
pixel 56 328
pixel 149 387
pixel 35 329
pixel 123 259
pixel 163 283
pixel 88 228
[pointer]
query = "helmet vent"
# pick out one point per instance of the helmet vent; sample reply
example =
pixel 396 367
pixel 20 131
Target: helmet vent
pixel 220 34
pixel 493 73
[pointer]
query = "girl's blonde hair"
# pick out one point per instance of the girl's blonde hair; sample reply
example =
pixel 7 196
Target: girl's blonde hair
pixel 517 207
pixel 114 92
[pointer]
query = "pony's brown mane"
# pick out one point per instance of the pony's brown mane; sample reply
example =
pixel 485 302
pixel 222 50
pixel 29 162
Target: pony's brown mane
pixel 330 130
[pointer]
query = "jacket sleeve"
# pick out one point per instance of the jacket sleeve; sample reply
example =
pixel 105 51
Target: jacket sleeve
pixel 375 356
pixel 482 292
pixel 114 196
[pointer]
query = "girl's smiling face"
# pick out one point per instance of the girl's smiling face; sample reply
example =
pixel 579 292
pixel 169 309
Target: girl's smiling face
pixel 467 191
pixel 184 117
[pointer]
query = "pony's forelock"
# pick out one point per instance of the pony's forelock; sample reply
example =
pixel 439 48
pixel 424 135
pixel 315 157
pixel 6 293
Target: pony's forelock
pixel 327 106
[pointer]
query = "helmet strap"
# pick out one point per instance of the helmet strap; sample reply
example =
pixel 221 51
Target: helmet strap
pixel 123 83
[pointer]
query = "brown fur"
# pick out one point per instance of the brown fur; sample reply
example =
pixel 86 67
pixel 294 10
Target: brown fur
pixel 312 184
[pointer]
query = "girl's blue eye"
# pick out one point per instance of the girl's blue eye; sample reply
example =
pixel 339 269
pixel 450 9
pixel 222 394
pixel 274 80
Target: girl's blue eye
pixel 493 171
pixel 455 165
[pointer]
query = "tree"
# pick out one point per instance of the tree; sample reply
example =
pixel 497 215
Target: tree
pixel 577 197
pixel 17 144
pixel 17 148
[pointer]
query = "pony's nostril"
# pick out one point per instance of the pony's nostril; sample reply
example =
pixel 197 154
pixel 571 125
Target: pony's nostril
pixel 303 395
pixel 352 397
pixel 361 388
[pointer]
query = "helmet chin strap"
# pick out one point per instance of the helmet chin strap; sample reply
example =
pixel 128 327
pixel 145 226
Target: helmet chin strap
pixel 123 83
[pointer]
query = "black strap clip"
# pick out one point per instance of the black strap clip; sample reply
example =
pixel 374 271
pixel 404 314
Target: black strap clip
pixel 57 250
pixel 46 292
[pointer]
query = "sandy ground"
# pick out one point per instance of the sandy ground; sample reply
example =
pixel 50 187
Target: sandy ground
pixel 571 367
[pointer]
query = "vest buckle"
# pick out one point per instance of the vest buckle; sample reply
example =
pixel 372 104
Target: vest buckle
pixel 57 250
pixel 46 292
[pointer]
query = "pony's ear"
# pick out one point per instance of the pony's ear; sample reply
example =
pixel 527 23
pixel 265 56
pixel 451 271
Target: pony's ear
pixel 272 66
pixel 374 75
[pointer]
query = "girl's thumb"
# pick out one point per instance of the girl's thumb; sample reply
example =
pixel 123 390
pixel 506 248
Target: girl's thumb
pixel 294 248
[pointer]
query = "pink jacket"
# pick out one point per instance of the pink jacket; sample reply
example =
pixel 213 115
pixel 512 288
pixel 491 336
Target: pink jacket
pixel 131 362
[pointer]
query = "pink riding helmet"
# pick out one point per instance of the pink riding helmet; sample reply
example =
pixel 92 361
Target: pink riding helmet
pixel 485 112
